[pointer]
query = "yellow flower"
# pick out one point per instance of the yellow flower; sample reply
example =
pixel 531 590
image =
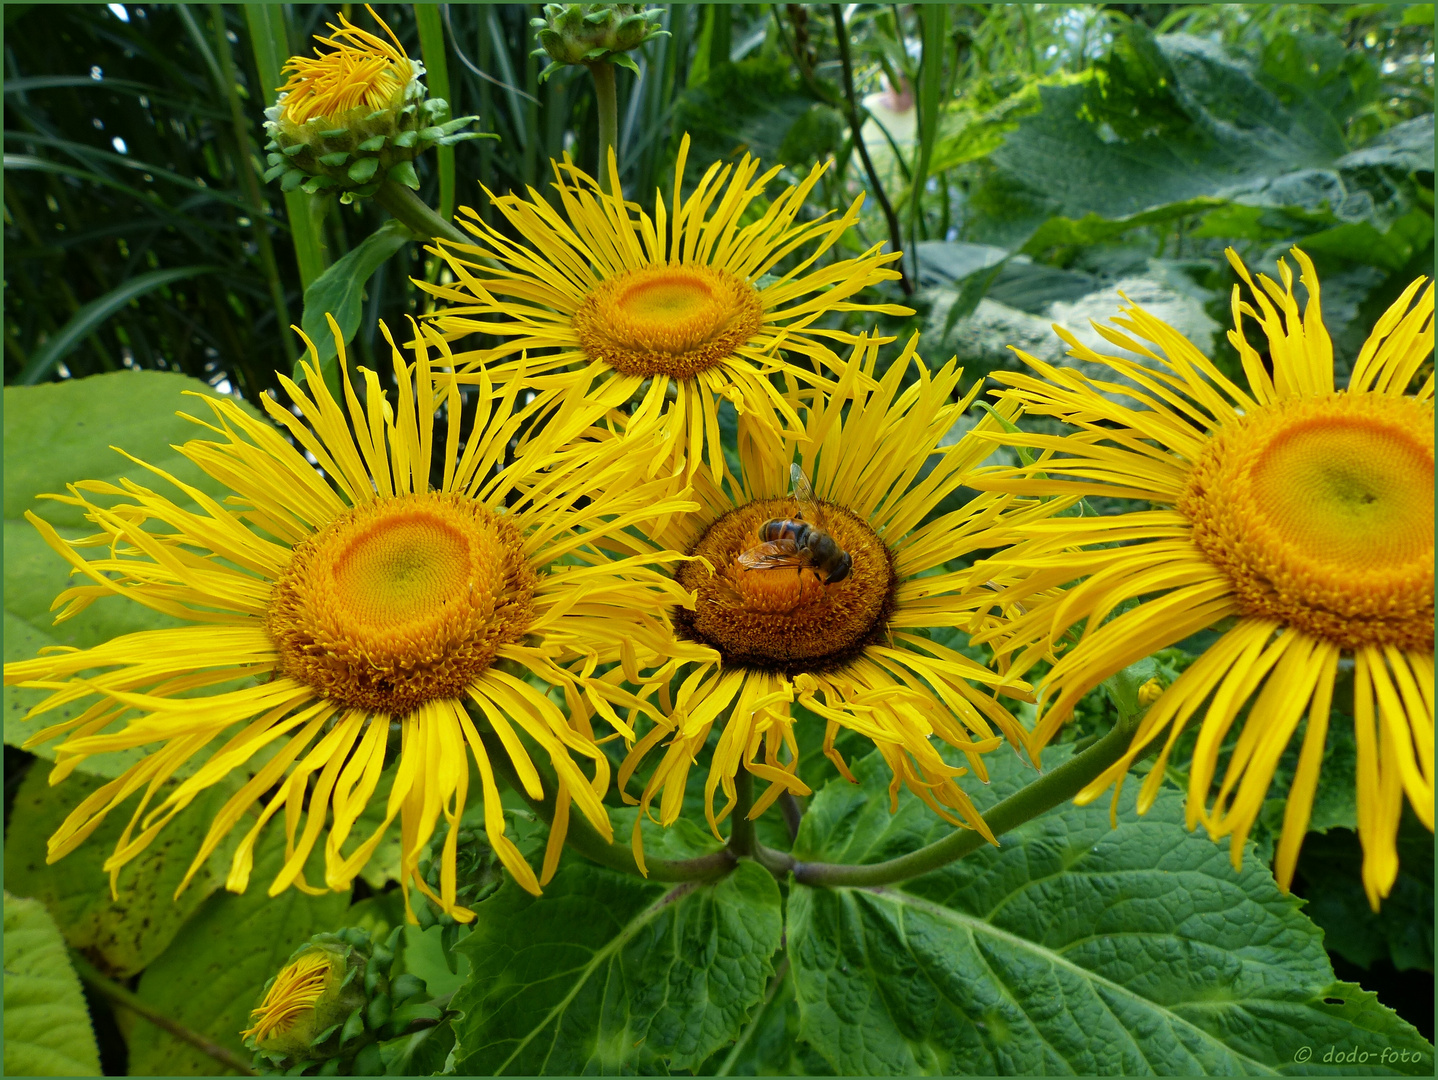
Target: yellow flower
pixel 845 638
pixel 292 996
pixel 363 73
pixel 351 119
pixel 1302 511
pixel 366 608
pixel 677 301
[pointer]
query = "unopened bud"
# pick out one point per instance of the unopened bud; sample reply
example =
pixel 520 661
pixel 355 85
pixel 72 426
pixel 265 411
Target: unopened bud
pixel 593 33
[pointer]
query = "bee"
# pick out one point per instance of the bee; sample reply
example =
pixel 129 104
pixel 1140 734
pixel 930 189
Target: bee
pixel 799 541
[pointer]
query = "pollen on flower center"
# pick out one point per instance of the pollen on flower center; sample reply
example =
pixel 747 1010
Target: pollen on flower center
pixel 787 619
pixel 1320 509
pixel 668 320
pixel 401 601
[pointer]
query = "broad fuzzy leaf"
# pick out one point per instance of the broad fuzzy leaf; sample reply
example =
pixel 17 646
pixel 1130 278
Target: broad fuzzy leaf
pixel 607 973
pixel 47 1027
pixel 120 934
pixel 56 434
pixel 1072 948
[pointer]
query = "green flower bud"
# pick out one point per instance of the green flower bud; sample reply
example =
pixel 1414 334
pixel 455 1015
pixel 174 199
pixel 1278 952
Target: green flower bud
pixel 593 33
pixel 311 994
pixel 329 1007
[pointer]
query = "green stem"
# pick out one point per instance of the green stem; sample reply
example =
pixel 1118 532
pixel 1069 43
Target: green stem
pixel 409 208
pixel 851 108
pixel 1048 791
pixel 741 829
pixel 269 40
pixel 608 102
pixel 127 999
pixel 582 837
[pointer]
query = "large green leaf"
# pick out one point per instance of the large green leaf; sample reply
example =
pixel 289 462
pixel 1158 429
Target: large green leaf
pixel 213 972
pixel 123 933
pixel 608 973
pixel 56 434
pixel 47 1027
pixel 770 1045
pixel 1072 948
pixel 1169 119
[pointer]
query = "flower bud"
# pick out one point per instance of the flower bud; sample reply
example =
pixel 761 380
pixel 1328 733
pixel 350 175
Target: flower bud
pixel 311 994
pixel 347 120
pixel 333 1003
pixel 593 33
pixel 1151 691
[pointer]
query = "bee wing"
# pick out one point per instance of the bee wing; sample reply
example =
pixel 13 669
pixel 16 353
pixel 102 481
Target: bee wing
pixel 771 556
pixel 804 494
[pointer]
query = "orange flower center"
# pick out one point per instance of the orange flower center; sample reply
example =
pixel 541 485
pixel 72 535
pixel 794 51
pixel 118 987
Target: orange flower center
pixel 1320 510
pixel 668 320
pixel 401 601
pixel 787 617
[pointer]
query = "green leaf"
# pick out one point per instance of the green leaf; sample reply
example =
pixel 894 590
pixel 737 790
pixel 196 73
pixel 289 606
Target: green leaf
pixel 770 1043
pixel 339 291
pixel 93 315
pixel 56 434
pixel 212 974
pixel 124 934
pixel 47 1026
pixel 608 973
pixel 1164 120
pixel 1073 947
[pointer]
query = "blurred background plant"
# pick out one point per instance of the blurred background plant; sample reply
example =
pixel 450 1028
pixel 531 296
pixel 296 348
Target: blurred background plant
pixel 1058 152
pixel 1033 161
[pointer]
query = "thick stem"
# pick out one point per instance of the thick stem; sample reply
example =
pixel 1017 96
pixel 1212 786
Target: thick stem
pixel 608 101
pixel 741 828
pixel 792 812
pixel 582 837
pixel 1048 791
pixel 851 107
pixel 409 208
pixel 127 999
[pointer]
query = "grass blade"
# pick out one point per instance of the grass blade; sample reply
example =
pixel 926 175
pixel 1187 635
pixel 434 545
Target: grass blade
pixel 89 318
pixel 436 73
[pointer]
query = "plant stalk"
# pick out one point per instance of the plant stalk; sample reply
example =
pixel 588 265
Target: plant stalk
pixel 128 999
pixel 741 828
pixel 269 41
pixel 409 208
pixel 1048 791
pixel 851 108
pixel 607 99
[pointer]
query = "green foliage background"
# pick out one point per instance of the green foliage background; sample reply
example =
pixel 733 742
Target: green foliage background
pixel 1054 154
